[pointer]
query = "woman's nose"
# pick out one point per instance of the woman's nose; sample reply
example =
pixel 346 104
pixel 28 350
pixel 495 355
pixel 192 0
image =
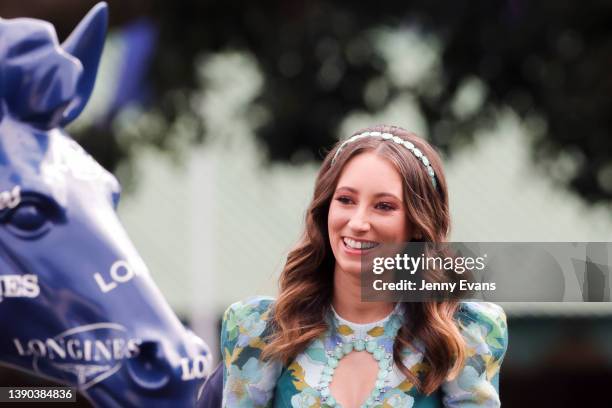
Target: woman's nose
pixel 359 222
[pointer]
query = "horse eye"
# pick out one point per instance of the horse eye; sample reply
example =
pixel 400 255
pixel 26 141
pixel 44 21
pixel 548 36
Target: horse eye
pixel 28 218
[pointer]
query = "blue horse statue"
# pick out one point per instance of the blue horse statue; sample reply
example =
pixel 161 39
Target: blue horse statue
pixel 77 303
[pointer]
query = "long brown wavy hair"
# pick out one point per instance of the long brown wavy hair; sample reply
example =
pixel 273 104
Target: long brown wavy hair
pixel 306 282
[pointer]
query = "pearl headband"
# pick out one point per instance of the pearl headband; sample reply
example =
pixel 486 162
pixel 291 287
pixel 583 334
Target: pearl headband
pixel 397 140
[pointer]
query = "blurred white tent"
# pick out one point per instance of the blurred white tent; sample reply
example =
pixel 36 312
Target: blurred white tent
pixel 215 226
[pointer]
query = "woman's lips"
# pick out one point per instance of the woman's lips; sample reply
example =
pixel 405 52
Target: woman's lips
pixel 357 246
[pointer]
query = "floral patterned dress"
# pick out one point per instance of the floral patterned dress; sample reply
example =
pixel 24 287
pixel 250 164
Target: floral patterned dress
pixel 249 382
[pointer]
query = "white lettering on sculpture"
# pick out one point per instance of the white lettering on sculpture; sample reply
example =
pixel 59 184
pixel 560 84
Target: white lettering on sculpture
pixel 120 272
pixel 76 352
pixel 19 286
pixel 75 349
pixel 192 368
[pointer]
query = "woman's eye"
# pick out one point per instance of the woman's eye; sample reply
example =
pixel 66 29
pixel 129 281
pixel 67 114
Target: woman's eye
pixel 385 206
pixel 344 200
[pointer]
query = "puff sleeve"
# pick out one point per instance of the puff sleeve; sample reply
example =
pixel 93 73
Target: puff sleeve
pixel 247 381
pixel 483 326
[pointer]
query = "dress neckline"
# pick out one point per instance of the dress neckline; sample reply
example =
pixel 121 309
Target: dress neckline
pixel 376 338
pixel 379 322
pixel 347 329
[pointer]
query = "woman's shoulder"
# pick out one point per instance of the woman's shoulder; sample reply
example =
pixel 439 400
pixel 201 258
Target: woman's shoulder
pixel 249 380
pixel 483 325
pixel 253 305
pixel 481 312
pixel 246 320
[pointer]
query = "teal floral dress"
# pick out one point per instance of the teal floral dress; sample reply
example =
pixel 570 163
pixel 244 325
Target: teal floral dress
pixel 249 382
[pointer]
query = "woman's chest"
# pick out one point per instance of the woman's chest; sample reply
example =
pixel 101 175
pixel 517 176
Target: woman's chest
pixel 325 376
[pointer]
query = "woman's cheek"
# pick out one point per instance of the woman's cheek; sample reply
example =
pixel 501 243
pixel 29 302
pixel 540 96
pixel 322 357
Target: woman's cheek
pixel 389 227
pixel 337 216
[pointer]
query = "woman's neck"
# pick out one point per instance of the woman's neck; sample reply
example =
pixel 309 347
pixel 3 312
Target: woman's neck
pixel 347 300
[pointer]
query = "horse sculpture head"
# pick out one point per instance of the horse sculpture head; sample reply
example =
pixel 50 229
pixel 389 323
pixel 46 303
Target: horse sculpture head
pixel 77 303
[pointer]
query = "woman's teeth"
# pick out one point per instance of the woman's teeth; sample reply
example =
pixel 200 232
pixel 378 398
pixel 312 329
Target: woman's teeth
pixel 351 243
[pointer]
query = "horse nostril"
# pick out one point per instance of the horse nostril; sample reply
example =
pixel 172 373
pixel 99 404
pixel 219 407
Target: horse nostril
pixel 149 369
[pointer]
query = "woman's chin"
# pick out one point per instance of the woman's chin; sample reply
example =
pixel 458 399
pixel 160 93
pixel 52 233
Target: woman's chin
pixel 351 268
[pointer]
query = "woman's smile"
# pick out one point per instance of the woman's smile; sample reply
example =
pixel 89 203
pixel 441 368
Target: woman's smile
pixel 356 246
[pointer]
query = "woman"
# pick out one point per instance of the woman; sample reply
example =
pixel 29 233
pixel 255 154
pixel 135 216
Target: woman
pixel 318 344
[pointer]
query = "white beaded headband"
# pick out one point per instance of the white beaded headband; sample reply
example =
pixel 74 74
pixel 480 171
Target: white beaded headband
pixel 395 139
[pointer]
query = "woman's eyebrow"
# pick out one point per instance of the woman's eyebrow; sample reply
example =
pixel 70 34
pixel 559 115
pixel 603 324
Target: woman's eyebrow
pixel 377 195
pixel 384 194
pixel 349 189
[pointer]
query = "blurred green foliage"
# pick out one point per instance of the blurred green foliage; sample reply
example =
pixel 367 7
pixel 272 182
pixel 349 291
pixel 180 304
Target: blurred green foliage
pixel 548 60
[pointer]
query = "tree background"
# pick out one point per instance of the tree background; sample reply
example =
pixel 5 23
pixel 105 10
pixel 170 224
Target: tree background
pixel 549 61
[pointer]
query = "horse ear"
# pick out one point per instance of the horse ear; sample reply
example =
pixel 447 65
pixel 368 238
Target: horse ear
pixel 86 43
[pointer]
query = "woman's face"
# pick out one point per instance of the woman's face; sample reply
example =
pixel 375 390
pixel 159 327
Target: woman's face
pixel 367 209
